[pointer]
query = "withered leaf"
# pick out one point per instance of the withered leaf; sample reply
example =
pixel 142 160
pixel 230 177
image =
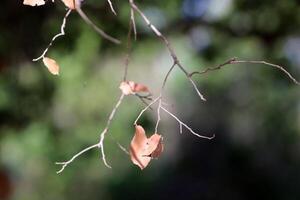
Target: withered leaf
pixel 130 87
pixel 142 149
pixel 34 2
pixel 70 3
pixel 157 146
pixel 52 66
pixel 125 88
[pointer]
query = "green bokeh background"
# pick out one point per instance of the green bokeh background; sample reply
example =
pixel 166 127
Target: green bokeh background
pixel 253 110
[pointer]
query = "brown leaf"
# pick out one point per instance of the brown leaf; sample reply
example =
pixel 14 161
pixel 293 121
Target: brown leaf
pixel 125 88
pixel 34 2
pixel 69 3
pixel 130 87
pixel 143 149
pixel 136 87
pixel 52 66
pixel 137 148
pixel 157 146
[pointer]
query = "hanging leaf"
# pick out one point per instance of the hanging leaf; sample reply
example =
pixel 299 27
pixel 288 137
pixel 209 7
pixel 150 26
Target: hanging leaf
pixel 143 149
pixel 34 2
pixel 69 3
pixel 136 87
pixel 155 145
pixel 125 88
pixel 52 66
pixel 137 148
pixel 130 87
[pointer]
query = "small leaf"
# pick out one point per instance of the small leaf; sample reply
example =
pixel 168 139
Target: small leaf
pixel 157 147
pixel 143 149
pixel 34 2
pixel 137 148
pixel 70 3
pixel 52 66
pixel 136 87
pixel 130 87
pixel 125 88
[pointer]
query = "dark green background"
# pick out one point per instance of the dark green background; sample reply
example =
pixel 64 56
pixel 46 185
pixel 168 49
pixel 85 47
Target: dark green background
pixel 254 110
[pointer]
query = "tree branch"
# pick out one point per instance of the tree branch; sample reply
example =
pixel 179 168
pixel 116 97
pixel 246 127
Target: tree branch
pixel 66 163
pixel 168 45
pixel 100 144
pixel 186 126
pixel 233 61
pixel 95 27
pixel 111 7
pixel 62 32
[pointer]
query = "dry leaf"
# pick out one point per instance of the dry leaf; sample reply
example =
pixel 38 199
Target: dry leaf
pixel 34 2
pixel 125 88
pixel 69 3
pixel 52 66
pixel 143 149
pixel 136 87
pixel 157 147
pixel 130 87
pixel 137 148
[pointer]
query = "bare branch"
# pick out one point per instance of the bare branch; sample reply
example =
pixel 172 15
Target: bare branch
pixel 268 64
pixel 104 132
pixel 132 28
pixel 122 148
pixel 128 47
pixel 62 32
pixel 96 28
pixel 158 114
pixel 146 108
pixel 168 45
pixel 180 128
pixel 166 77
pixel 100 143
pixel 66 163
pixel 186 126
pixel 132 19
pixel 236 61
pixel 213 68
pixel 111 7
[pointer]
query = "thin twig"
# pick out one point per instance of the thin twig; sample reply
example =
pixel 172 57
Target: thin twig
pixel 132 19
pixel 180 128
pixel 142 98
pixel 146 108
pixel 233 61
pixel 268 64
pixel 66 163
pixel 128 47
pixel 123 148
pixel 161 96
pixel 168 45
pixel 99 144
pixel 111 7
pixel 186 126
pixel 213 68
pixel 103 133
pixel 158 114
pixel 95 27
pixel 62 32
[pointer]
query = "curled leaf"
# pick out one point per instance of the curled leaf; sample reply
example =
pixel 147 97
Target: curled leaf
pixel 142 149
pixel 130 87
pixel 125 88
pixel 157 147
pixel 34 2
pixel 70 4
pixel 52 66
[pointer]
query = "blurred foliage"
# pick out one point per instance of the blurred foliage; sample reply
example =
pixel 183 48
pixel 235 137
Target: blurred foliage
pixel 253 110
